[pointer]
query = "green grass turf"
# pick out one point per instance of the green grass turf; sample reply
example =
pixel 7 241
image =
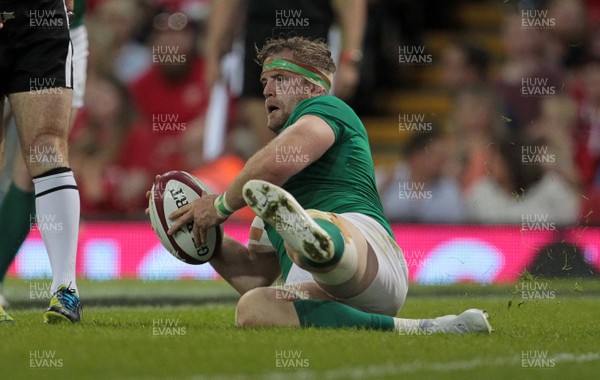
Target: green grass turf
pixel 122 343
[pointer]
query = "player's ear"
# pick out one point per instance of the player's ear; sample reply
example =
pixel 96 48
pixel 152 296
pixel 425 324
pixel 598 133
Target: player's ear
pixel 316 90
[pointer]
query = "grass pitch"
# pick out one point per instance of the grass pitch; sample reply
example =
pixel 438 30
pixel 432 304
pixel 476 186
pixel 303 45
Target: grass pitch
pixel 179 331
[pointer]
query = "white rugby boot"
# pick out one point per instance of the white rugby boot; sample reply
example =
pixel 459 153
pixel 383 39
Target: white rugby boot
pixel 279 209
pixel 469 321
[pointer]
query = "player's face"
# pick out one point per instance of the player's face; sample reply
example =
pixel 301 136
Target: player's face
pixel 282 93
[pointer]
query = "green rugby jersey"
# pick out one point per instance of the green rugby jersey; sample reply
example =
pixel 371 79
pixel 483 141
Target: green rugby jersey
pixel 340 181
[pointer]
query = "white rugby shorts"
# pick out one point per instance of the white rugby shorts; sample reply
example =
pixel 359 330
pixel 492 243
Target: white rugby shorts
pixel 387 292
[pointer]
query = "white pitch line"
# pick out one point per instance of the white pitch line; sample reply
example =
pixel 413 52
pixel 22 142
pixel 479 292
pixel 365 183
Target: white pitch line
pixel 398 369
pixel 389 369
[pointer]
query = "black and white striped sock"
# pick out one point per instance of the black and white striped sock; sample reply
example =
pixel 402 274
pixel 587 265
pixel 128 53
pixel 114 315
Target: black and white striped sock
pixel 57 213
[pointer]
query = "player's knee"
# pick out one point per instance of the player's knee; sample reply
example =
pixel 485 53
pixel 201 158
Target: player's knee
pixel 316 214
pixel 47 141
pixel 251 307
pixel 46 151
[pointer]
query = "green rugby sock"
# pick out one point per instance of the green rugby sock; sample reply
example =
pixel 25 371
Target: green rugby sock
pixel 332 314
pixel 15 222
pixel 338 243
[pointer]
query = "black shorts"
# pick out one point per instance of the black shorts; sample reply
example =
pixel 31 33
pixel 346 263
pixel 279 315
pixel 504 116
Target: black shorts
pixel 35 47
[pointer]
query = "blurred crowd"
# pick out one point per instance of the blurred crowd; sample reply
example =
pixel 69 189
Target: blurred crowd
pixel 521 144
pixel 522 138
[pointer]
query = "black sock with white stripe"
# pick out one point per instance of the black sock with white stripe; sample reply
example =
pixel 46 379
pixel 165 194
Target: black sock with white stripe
pixel 57 209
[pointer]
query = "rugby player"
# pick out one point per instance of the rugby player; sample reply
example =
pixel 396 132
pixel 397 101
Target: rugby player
pixel 36 77
pixel 320 224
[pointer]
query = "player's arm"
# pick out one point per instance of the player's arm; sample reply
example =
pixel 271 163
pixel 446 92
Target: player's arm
pixel 246 268
pixel 310 137
pixel 219 36
pixel 307 139
pixel 352 16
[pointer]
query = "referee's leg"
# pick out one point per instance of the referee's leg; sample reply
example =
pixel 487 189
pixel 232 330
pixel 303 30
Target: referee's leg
pixel 43 123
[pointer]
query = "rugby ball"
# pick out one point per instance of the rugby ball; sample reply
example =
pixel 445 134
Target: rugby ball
pixel 170 192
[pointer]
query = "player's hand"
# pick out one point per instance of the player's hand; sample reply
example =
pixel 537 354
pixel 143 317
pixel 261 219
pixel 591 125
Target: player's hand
pixel 148 195
pixel 202 213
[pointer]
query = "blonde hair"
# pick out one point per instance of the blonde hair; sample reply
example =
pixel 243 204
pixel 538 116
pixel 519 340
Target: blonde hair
pixel 310 52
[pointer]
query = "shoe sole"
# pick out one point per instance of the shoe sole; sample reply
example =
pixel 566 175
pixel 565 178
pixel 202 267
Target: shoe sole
pixel 280 210
pixel 52 317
